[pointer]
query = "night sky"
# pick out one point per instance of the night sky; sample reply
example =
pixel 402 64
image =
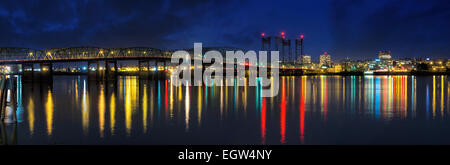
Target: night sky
pixel 344 28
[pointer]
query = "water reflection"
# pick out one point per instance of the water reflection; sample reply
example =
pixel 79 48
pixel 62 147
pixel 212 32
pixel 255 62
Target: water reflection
pixel 144 103
pixel 308 110
pixel 49 112
pixel 283 111
pixel 101 111
pixel 302 109
pixel 112 113
pixel 31 116
pixel 85 108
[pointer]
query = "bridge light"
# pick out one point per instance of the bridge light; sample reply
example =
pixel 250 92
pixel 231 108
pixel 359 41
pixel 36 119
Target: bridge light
pixel 301 36
pixel 31 53
pixel 49 54
pixel 112 52
pixel 101 52
pixel 282 33
pixel 263 34
pixel 129 52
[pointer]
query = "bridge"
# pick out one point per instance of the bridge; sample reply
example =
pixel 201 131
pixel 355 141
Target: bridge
pixel 73 54
pixel 26 58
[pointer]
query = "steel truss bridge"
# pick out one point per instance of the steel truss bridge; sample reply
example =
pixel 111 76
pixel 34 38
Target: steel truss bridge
pixel 73 54
pixel 47 57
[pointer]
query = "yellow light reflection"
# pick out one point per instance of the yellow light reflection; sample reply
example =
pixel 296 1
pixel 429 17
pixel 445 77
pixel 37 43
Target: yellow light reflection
pixel 49 112
pixel 343 91
pixel 180 95
pixel 144 109
pixel 130 91
pixel 112 109
pixel 31 117
pixel 101 112
pixel 405 98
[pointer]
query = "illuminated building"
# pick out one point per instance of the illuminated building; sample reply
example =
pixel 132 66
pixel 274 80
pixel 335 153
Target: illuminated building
pixel 335 69
pixel 384 55
pixel 306 59
pixel 325 60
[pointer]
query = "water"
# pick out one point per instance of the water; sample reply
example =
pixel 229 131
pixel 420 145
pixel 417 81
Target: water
pixel 308 110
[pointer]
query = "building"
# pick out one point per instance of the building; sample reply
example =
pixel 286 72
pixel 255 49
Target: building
pixel 384 55
pixel 306 59
pixel 325 60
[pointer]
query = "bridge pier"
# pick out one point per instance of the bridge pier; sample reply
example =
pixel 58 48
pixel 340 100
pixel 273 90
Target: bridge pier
pixel 160 74
pixel 27 71
pixel 144 69
pixel 94 74
pixel 110 73
pixel 46 72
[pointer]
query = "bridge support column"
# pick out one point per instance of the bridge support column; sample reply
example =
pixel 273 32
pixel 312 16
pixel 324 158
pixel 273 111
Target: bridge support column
pixel 150 68
pixel 163 71
pixel 144 66
pixel 110 73
pixel 116 69
pixel 94 75
pixel 166 68
pixel 27 71
pixel 46 71
pixel 160 73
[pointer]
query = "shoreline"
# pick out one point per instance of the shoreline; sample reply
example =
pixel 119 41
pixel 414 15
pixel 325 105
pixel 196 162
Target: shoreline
pixel 281 74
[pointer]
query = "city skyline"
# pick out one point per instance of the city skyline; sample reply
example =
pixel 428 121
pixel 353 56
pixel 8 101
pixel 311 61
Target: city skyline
pixel 354 29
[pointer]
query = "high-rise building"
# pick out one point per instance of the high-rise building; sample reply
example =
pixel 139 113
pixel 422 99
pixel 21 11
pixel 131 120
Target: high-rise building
pixel 306 59
pixel 325 60
pixel 384 55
